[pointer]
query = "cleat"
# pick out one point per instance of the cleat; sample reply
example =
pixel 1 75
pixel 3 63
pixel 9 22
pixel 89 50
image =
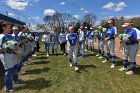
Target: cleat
pixel 129 73
pixel 112 66
pixel 76 68
pixel 100 57
pixel 97 55
pixel 71 65
pixel 123 69
pixel 104 61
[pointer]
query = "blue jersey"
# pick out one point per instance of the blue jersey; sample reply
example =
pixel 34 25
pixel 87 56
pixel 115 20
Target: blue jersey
pixel 111 32
pixel 100 36
pixel 16 37
pixel 132 33
pixel 72 39
pixel 90 35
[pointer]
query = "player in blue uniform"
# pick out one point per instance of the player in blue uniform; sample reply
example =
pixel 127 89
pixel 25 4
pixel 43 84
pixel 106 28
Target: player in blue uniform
pixel 91 40
pixel 8 50
pixel 101 36
pixel 72 41
pixel 131 45
pixel 110 42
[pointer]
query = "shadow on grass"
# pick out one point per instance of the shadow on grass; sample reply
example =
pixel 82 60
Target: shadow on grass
pixel 137 72
pixel 1 76
pixel 37 84
pixel 40 62
pixel 40 57
pixel 83 67
pixel 89 55
pixel 37 71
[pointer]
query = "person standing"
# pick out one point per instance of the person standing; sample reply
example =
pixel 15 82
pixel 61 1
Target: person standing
pixel 131 39
pixel 62 41
pixel 46 41
pixel 82 40
pixel 110 42
pixel 72 41
pixel 54 37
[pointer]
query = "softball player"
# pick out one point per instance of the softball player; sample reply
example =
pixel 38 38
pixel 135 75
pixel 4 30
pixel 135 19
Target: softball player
pixel 101 36
pixel 91 40
pixel 130 48
pixel 7 57
pixel 110 42
pixel 82 40
pixel 72 41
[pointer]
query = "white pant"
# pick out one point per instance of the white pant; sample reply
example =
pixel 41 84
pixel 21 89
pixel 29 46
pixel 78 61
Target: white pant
pixel 73 53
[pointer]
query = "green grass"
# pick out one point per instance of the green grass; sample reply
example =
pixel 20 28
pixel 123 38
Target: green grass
pixel 53 75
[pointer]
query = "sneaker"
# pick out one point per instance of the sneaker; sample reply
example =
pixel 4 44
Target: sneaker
pixel 71 65
pixel 64 54
pixel 100 57
pixel 112 66
pixel 97 55
pixel 34 55
pixel 92 52
pixel 85 49
pixel 123 69
pixel 129 72
pixel 11 90
pixel 76 68
pixel 47 55
pixel 104 61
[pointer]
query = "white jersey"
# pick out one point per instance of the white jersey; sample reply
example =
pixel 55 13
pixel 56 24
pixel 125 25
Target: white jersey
pixel 81 35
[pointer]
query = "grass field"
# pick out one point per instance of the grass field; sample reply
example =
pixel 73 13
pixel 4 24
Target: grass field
pixel 53 75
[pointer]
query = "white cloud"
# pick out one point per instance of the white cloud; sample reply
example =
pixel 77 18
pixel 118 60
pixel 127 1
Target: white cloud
pixel 36 1
pixel 36 18
pixel 120 6
pixel 76 16
pixel 49 12
pixel 85 11
pixel 62 3
pixel 82 9
pixel 17 4
pixel 11 14
pixel 115 7
pixel 109 6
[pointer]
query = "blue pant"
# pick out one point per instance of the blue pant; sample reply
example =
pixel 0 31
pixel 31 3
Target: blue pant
pixel 54 47
pixel 47 47
pixel 8 78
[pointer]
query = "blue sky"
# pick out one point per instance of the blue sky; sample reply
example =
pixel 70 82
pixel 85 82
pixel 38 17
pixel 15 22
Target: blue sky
pixel 33 10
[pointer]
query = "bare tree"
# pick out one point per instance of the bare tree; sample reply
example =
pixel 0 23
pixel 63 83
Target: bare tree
pixel 90 18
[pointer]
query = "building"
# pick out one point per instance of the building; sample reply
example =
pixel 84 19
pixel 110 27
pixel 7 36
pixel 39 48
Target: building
pixel 10 20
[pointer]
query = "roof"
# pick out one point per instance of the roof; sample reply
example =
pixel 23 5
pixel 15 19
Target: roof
pixel 12 20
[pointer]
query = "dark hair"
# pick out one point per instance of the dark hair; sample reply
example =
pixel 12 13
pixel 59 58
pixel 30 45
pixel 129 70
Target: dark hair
pixel 4 25
pixel 113 21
